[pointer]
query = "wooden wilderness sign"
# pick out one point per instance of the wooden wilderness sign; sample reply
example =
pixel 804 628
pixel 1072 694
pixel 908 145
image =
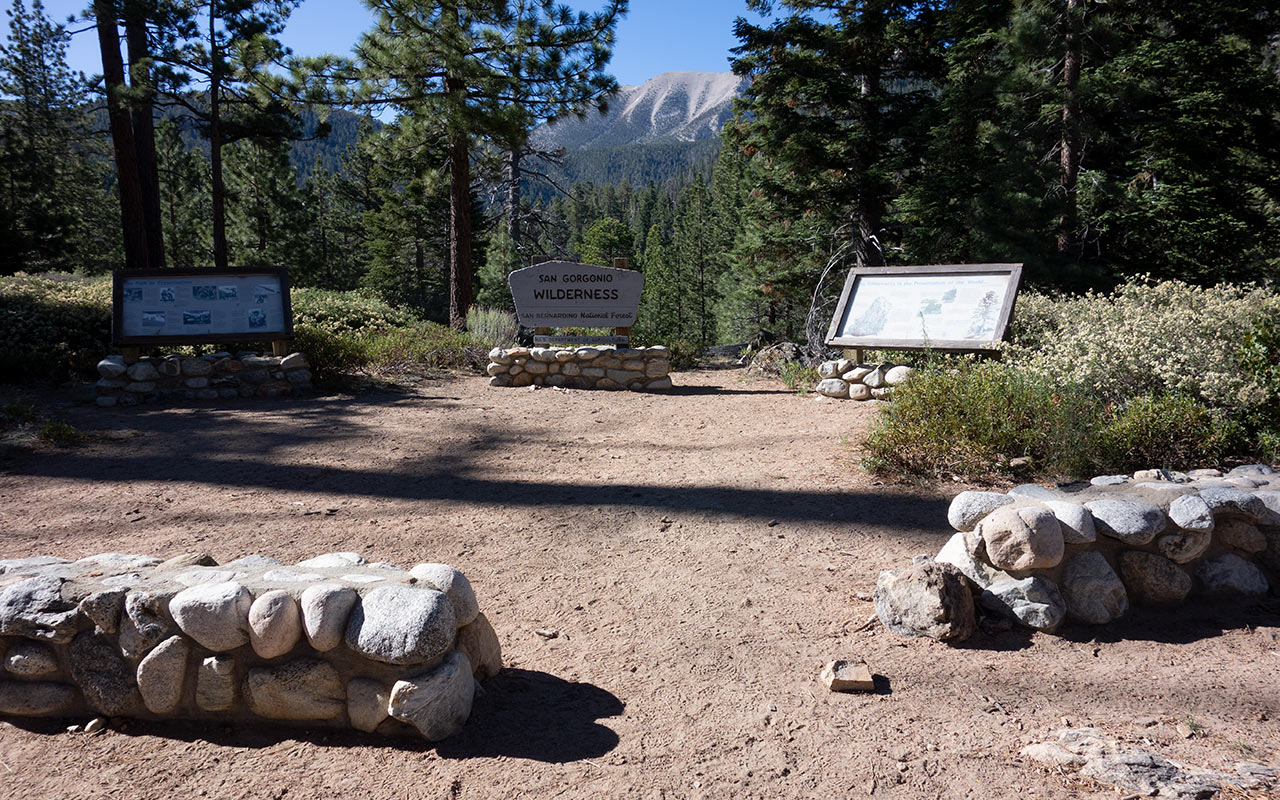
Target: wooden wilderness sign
pixel 958 307
pixel 562 294
pixel 198 306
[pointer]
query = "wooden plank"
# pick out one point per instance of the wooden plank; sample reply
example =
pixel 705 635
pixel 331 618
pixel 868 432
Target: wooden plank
pixel 280 347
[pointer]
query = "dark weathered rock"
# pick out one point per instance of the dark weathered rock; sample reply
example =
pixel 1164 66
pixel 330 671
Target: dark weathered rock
pixel 37 698
pixel 928 599
pixel 300 690
pixel 1152 579
pixel 102 674
pixel 1229 574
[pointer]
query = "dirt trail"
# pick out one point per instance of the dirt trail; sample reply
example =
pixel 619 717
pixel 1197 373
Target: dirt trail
pixel 701 553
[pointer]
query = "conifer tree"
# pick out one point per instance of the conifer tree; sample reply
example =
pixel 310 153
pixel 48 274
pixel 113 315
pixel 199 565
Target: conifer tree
pixel 51 176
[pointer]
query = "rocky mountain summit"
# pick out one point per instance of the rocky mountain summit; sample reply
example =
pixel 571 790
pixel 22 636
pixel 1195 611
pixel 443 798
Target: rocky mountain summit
pixel 671 107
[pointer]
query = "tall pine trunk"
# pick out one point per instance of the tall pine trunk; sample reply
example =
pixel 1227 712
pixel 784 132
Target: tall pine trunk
pixel 132 220
pixel 144 136
pixel 460 289
pixel 512 178
pixel 218 188
pixel 1069 155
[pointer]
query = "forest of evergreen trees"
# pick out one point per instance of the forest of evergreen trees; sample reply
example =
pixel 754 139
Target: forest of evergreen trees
pixel 1090 140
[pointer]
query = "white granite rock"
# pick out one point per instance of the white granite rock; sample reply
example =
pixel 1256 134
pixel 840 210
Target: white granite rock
pixel 967 508
pixel 324 614
pixel 275 625
pixel 367 702
pixel 1191 513
pixel 1076 521
pixel 437 702
pixel 1035 602
pixel 897 376
pixel 401 625
pixel 1131 522
pixel 455 585
pixel 216 684
pixel 833 387
pixel 858 391
pixel 1241 535
pixel 1184 547
pixel 1093 591
pixel 1152 579
pixel 479 643
pixel 1021 539
pixel 215 615
pixel 161 675
pixel 333 560
pixel 27 659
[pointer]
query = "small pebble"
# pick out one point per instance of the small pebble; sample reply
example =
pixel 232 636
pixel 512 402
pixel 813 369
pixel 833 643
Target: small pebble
pixel 547 633
pixel 96 725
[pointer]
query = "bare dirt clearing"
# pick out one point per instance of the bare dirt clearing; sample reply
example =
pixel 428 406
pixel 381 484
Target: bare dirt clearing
pixel 700 553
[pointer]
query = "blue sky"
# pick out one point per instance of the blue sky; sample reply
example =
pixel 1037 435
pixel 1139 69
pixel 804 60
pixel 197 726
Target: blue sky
pixel 657 36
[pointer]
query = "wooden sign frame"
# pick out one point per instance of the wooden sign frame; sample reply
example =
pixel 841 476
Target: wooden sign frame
pixel 837 335
pixel 118 278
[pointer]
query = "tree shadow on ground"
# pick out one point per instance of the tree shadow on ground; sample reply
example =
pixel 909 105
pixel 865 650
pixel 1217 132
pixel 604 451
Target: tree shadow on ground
pixel 536 716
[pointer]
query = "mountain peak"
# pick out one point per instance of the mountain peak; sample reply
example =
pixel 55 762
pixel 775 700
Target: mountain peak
pixel 671 107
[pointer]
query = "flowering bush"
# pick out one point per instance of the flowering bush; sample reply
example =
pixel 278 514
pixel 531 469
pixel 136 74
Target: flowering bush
pixel 1146 338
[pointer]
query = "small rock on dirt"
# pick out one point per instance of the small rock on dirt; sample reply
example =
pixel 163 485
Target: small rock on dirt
pixel 847 676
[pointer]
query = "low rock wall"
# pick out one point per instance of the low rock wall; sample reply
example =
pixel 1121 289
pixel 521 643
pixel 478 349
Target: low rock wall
pixel 331 641
pixel 636 368
pixel 845 380
pixel 1086 553
pixel 220 376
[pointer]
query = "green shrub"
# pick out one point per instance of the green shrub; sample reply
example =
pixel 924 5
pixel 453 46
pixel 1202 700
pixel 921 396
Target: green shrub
pixel 59 433
pixel 967 418
pixel 355 312
pixel 1169 431
pixel 426 346
pixel 53 327
pixel 492 327
pixel 798 377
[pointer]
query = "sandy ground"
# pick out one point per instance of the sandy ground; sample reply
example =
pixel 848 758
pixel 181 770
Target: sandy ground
pixel 701 553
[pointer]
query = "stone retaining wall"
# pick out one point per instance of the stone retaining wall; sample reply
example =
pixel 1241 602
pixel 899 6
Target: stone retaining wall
pixel 1086 553
pixel 220 376
pixel 331 641
pixel 608 367
pixel 845 380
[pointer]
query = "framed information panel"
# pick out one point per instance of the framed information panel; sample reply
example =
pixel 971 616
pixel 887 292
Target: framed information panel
pixel 174 306
pixel 944 307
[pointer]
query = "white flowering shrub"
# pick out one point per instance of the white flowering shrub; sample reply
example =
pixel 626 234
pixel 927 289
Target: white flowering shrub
pixel 1146 337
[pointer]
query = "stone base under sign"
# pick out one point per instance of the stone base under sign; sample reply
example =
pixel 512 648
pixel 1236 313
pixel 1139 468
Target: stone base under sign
pixel 220 376
pixel 638 369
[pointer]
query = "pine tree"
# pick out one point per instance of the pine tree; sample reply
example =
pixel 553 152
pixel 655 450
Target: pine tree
pixel 52 181
pixel 607 238
pixel 184 199
pixel 267 215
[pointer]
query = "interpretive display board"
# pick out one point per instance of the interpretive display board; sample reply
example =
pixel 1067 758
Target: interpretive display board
pixel 942 307
pixel 561 294
pixel 173 306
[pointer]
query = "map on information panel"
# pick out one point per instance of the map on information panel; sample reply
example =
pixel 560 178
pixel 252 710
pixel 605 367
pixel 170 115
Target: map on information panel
pixel 204 306
pixel 955 308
